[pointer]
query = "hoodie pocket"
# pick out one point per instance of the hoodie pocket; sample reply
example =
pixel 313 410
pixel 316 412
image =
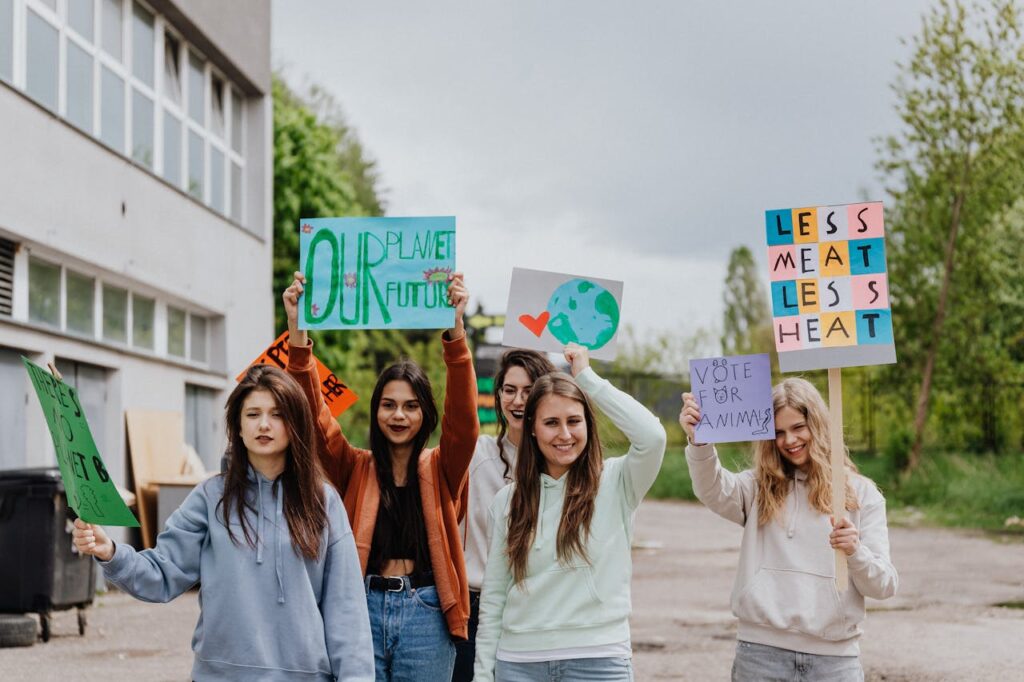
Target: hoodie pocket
pixel 795 601
pixel 562 596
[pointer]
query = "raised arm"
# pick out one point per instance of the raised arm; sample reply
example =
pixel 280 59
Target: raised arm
pixel 460 425
pixel 727 494
pixel 164 572
pixel 646 435
pixel 494 594
pixel 337 455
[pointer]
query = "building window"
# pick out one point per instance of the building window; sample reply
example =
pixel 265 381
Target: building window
pixel 176 331
pixel 115 314
pixel 79 75
pixel 112 33
pixel 43 42
pixel 117 70
pixel 172 149
pixel 43 292
pixel 143 314
pixel 7 40
pixel 112 110
pixel 196 161
pixel 143 37
pixel 197 338
pixel 80 293
pixel 142 129
pixel 196 89
pixel 80 17
pixel 202 430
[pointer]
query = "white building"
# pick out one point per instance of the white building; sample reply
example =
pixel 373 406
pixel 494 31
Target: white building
pixel 135 211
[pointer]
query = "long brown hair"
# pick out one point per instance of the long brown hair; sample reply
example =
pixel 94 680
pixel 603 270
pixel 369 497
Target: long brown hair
pixel 535 365
pixel 301 482
pixel 773 472
pixel 584 478
pixel 412 374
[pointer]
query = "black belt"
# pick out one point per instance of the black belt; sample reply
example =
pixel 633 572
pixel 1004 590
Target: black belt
pixel 398 583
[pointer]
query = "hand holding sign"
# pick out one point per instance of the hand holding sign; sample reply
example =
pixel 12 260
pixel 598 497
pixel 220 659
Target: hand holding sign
pixel 92 540
pixel 689 417
pixel 458 297
pixel 578 358
pixel 290 298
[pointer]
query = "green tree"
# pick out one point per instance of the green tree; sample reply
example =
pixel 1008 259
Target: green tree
pixel 321 170
pixel 746 321
pixel 953 167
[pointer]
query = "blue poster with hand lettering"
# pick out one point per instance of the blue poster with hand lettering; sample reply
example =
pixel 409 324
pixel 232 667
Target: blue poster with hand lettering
pixel 376 273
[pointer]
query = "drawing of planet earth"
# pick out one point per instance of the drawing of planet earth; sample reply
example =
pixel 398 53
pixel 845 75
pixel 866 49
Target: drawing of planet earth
pixel 583 312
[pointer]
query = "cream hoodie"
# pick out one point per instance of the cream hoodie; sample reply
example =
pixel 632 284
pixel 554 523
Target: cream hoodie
pixel 785 593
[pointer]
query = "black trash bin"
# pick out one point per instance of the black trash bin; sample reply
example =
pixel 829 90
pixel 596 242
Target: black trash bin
pixel 39 571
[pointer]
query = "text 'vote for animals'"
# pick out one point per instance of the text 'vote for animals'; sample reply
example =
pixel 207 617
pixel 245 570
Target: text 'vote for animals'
pixel 547 310
pixel 376 273
pixel 830 289
pixel 87 484
pixel 337 395
pixel 735 398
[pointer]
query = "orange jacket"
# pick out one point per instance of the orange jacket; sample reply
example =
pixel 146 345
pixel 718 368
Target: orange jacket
pixel 442 472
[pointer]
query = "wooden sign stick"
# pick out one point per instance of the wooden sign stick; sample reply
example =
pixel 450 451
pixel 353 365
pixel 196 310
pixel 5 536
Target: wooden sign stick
pixel 835 407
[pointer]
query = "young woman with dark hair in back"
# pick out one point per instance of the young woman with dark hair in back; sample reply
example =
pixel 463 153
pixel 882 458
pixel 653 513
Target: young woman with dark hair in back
pixel 404 500
pixel 281 594
pixel 556 594
pixel 491 470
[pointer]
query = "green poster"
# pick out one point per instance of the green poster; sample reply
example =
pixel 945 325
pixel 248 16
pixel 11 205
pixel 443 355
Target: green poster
pixel 89 489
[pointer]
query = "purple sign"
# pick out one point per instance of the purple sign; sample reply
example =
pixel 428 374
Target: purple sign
pixel 735 398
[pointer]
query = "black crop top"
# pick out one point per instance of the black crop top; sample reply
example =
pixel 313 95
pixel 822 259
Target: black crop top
pixel 393 539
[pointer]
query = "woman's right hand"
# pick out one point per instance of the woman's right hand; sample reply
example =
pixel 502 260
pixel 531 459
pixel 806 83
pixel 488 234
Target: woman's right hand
pixel 689 417
pixel 290 298
pixel 92 540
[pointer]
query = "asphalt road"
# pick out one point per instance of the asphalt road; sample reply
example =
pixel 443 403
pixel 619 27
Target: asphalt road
pixel 943 625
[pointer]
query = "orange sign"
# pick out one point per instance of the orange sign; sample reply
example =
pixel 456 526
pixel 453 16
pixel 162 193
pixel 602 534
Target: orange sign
pixel 337 395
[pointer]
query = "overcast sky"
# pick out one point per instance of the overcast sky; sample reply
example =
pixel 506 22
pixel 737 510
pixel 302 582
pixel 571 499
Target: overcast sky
pixel 638 141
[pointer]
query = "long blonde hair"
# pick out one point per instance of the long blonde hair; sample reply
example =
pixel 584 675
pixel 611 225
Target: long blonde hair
pixel 582 482
pixel 773 472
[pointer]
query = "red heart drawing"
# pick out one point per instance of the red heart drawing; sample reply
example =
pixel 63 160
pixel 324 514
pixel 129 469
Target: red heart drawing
pixel 535 324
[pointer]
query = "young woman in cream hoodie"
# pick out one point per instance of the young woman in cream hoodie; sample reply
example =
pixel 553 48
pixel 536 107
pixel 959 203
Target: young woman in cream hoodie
pixel 793 622
pixel 556 601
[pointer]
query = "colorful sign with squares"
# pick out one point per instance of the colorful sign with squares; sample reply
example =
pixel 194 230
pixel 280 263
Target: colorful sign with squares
pixel 829 286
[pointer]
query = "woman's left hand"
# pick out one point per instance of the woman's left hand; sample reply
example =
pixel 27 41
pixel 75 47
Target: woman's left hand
pixel 845 536
pixel 578 358
pixel 458 297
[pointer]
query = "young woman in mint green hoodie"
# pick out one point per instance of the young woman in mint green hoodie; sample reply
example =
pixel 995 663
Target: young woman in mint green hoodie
pixel 281 596
pixel 793 622
pixel 556 593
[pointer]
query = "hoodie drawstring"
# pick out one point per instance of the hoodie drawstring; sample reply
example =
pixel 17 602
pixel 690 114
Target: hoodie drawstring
pixel 279 569
pixel 791 531
pixel 259 522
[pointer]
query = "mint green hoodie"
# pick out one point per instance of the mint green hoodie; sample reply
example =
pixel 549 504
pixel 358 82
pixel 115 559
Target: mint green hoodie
pixel 581 604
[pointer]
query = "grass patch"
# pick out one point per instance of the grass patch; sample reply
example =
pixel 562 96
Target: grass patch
pixel 947 489
pixel 1011 605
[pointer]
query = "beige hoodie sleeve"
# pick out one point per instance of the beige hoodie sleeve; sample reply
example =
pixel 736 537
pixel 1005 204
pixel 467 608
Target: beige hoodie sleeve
pixel 729 495
pixel 870 567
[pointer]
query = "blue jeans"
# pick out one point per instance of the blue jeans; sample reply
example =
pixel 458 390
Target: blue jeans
pixel 411 642
pixel 763 663
pixel 569 670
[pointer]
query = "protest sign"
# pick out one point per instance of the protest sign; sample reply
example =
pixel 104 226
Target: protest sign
pixel 547 310
pixel 376 273
pixel 735 398
pixel 337 395
pixel 87 484
pixel 829 284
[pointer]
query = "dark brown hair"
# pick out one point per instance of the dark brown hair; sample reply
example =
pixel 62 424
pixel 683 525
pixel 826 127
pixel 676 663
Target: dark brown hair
pixel 535 365
pixel 305 507
pixel 412 374
pixel 584 478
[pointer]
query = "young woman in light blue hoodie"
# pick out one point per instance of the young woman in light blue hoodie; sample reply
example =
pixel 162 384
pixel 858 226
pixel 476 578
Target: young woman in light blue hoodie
pixel 281 594
pixel 556 594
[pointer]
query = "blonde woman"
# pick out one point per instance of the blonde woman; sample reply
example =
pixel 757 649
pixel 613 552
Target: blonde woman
pixel 793 622
pixel 555 603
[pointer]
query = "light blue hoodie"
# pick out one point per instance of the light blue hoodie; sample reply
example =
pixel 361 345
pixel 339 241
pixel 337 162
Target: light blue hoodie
pixel 266 613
